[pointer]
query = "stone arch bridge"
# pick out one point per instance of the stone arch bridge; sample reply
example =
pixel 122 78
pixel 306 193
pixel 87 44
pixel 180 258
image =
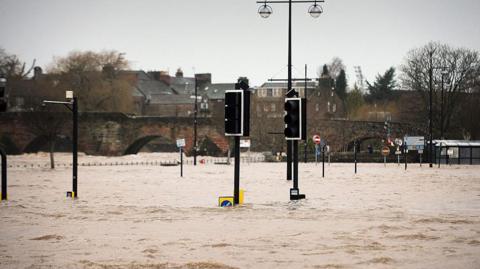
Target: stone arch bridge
pixel 119 134
pixel 105 133
pixel 341 134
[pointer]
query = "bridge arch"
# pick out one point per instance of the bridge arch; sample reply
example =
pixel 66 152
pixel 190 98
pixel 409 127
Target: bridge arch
pixel 361 140
pixel 165 145
pixel 8 145
pixel 41 143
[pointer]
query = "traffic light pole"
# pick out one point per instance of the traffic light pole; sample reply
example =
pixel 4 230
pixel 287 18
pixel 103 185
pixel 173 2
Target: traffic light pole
pixel 4 174
pixel 290 92
pixel 236 186
pixel 295 164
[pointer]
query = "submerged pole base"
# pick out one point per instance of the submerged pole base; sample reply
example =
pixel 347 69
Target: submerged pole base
pixel 71 194
pixel 295 195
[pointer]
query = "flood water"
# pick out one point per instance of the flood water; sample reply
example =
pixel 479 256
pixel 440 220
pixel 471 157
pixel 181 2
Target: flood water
pixel 146 216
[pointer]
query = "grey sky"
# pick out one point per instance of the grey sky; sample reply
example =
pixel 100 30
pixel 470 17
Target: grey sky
pixel 229 39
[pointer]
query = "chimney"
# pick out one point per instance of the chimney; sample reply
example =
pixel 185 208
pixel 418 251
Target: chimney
pixel 204 79
pixel 179 73
pixel 164 76
pixel 37 72
pixel 108 71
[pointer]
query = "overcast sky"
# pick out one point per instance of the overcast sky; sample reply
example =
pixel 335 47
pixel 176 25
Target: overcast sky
pixel 229 39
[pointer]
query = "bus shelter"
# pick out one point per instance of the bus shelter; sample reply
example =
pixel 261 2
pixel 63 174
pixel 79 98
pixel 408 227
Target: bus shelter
pixel 457 152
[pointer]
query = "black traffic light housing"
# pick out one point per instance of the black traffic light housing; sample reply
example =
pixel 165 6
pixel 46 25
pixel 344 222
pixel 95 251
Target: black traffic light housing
pixel 3 94
pixel 295 119
pixel 237 112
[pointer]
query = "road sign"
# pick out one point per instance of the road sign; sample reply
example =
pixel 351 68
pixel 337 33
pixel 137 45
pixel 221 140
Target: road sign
pixel 317 139
pixel 245 143
pixel 413 141
pixel 181 142
pixel 385 151
pixel 398 141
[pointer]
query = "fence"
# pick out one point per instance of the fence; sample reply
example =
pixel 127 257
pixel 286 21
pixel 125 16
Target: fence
pixel 200 161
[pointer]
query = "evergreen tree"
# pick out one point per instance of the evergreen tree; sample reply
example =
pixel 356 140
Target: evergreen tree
pixel 325 72
pixel 354 102
pixel 383 86
pixel 341 85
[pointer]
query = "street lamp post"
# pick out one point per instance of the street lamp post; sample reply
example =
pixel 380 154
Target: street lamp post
pixel 430 122
pixel 315 11
pixel 195 125
pixel 444 73
pixel 72 105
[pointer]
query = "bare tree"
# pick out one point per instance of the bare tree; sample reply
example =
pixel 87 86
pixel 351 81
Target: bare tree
pixel 49 126
pixel 12 68
pixel 94 76
pixel 460 69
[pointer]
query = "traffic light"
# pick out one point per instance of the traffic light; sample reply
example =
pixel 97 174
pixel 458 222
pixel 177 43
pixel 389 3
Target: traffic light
pixel 237 113
pixel 3 95
pixel 295 119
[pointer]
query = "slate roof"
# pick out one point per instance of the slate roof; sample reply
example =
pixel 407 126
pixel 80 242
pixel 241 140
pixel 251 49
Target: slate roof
pixel 183 85
pixel 176 99
pixel 216 90
pixel 147 86
pixel 283 85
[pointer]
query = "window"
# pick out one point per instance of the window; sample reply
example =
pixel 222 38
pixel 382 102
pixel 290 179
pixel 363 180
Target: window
pixel 317 107
pixel 328 106
pixel 265 107
pixel 273 108
pixel 269 92
pixel 19 101
pixel 334 108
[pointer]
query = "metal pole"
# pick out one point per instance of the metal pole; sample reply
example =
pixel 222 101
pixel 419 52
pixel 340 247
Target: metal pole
pixel 406 149
pixel 305 93
pixel 75 147
pixel 289 86
pixel 441 110
pixel 355 154
pixel 440 155
pixel 316 154
pixel 181 161
pixel 323 161
pixel 384 161
pixel 431 111
pixel 236 187
pixel 295 164
pixel 4 174
pixel 195 125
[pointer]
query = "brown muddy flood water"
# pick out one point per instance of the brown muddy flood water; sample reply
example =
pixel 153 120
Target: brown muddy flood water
pixel 149 217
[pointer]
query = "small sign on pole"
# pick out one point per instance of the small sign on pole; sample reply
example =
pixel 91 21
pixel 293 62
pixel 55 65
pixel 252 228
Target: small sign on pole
pixel 180 145
pixel 317 139
pixel 385 151
pixel 245 143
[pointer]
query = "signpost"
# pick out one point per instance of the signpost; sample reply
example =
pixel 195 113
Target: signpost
pixel 316 139
pixel 385 152
pixel 180 145
pixel 355 154
pixel 323 161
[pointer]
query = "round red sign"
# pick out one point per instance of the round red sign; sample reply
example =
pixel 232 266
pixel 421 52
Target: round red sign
pixel 316 139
